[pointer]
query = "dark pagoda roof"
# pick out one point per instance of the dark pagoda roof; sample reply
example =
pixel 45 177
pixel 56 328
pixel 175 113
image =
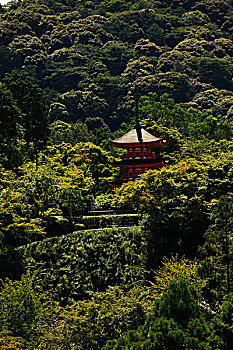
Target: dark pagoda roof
pixel 131 137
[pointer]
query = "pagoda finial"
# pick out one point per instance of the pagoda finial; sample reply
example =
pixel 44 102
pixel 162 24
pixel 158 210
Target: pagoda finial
pixel 137 122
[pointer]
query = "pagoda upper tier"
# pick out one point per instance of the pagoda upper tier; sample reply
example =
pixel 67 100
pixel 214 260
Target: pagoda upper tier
pixel 139 157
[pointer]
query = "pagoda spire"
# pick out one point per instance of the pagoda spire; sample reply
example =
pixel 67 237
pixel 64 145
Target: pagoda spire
pixel 137 121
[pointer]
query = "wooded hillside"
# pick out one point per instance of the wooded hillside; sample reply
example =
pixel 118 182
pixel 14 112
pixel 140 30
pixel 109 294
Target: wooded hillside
pixel 156 272
pixel 88 55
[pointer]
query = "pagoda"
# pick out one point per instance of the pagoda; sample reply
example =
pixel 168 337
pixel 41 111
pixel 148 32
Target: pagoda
pixel 139 157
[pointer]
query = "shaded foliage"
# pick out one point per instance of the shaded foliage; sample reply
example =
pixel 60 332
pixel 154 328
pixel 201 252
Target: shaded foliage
pixel 175 323
pixel 76 265
pixel 69 46
pixel 75 65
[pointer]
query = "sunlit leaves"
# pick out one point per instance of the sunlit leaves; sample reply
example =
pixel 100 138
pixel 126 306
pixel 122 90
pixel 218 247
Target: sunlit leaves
pixel 22 309
pixel 90 323
pixel 174 268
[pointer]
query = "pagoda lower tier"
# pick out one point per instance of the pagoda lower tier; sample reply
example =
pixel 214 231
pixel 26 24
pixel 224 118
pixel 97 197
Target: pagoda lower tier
pixel 134 168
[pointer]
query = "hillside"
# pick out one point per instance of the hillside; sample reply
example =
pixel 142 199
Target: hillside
pixel 88 55
pixel 149 265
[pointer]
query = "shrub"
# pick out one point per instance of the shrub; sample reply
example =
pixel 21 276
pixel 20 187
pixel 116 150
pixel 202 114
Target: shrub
pixel 88 324
pixel 75 265
pixel 21 309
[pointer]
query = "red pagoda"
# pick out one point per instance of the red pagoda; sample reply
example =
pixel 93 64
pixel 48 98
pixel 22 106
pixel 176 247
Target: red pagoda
pixel 139 158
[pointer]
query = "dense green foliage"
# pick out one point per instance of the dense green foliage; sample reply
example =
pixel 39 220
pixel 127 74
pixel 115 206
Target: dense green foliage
pixel 88 55
pixel 217 250
pixel 178 322
pixel 23 311
pixel 76 265
pixel 175 323
pixel 178 201
pixel 90 323
pixel 68 75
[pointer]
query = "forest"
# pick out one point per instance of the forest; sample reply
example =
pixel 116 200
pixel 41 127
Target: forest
pixel 154 270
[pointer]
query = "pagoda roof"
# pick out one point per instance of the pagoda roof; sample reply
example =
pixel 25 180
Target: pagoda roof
pixel 132 138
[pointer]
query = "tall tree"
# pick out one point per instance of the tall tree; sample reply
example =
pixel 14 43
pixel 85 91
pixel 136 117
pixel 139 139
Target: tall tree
pixel 176 323
pixel 10 118
pixel 217 249
pixel 31 100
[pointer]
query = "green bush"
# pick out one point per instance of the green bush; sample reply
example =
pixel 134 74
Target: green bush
pixel 88 324
pixel 175 323
pixel 22 310
pixel 75 265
